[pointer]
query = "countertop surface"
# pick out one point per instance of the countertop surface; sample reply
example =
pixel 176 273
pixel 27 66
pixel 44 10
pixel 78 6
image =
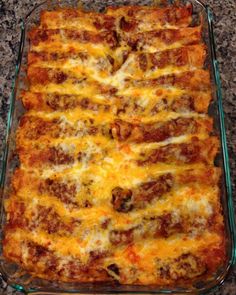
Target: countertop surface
pixel 11 11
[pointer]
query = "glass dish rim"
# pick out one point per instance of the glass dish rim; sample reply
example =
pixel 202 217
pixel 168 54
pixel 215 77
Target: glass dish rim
pixel 230 207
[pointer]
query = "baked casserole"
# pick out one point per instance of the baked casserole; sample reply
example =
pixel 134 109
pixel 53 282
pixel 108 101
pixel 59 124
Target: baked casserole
pixel 117 180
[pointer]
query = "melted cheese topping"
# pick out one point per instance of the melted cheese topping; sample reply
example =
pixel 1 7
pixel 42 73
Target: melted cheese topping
pixel 117 178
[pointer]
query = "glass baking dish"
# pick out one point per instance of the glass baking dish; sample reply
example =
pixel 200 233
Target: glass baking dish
pixel 22 281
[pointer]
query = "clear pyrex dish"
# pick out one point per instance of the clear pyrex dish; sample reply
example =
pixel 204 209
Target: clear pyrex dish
pixel 22 281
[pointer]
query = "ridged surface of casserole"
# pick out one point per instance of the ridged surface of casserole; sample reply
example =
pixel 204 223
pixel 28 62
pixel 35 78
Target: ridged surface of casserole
pixel 117 178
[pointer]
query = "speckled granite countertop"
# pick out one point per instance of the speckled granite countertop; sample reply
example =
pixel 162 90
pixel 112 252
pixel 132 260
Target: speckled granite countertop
pixel 225 31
